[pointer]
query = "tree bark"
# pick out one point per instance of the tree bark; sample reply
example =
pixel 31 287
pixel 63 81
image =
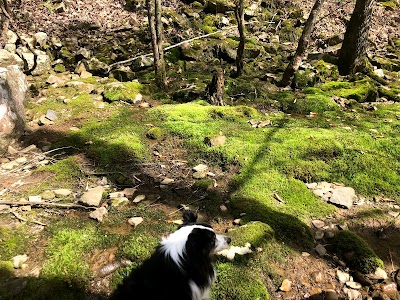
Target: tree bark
pixel 215 89
pixel 162 79
pixel 239 13
pixel 155 27
pixel 302 46
pixel 353 52
pixel 6 15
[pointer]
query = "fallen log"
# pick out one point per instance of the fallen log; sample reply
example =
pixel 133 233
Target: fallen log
pixel 46 204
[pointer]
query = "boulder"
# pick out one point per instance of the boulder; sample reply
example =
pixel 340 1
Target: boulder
pixel 13 86
pixel 343 197
pixel 7 59
pixel 43 62
pixel 41 38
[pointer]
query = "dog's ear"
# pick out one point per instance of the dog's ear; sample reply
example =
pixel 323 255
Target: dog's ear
pixel 189 216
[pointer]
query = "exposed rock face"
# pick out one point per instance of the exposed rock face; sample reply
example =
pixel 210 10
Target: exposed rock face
pixel 13 86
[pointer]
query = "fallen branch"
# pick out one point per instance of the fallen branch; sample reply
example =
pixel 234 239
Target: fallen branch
pixel 47 204
pixel 176 45
pixel 25 220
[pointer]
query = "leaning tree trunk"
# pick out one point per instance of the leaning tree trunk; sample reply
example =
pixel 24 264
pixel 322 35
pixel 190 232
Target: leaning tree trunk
pixel 6 12
pixel 215 89
pixel 353 52
pixel 302 46
pixel 239 13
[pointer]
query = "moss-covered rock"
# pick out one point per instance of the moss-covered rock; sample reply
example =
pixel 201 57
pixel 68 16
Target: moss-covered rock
pixel 12 243
pixel 361 91
pixel 256 233
pixel 155 133
pixel 126 91
pixel 326 71
pixel 357 253
pixel 303 78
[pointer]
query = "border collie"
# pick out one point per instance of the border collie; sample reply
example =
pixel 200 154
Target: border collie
pixel 180 268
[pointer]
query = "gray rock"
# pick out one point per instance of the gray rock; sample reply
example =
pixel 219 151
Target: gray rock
pixel 115 195
pixel 19 260
pixel 55 79
pixel 319 234
pixel 119 201
pixel 41 38
pixel 4 209
pixel 98 214
pixel 213 141
pixel 62 192
pixel 83 53
pixel 135 221
pixel 48 195
pixel 93 196
pixel 12 37
pixel 353 285
pixel 320 250
pixel 142 63
pixel 139 198
pixel 43 62
pixel 7 59
pixel 167 181
pixel 343 197
pixel 35 199
pixel 343 277
pixel 352 294
pixel 199 175
pixel 200 168
pixel 51 115
pixel 318 223
pixel 12 48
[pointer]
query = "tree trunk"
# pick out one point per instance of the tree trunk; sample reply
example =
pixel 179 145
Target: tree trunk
pixel 215 89
pixel 302 46
pixel 155 27
pixel 162 79
pixel 6 14
pixel 239 13
pixel 353 52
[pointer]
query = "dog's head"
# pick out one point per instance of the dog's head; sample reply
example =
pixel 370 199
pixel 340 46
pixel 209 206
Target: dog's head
pixel 193 239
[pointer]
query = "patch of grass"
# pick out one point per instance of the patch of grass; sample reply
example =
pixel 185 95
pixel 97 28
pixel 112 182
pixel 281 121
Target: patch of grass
pixel 12 242
pixel 356 251
pixel 6 270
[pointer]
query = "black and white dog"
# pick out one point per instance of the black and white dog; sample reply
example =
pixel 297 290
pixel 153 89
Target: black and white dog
pixel 180 268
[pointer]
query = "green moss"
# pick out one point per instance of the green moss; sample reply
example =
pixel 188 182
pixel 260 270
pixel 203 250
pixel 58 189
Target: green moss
pixel 203 183
pixel 66 254
pixel 12 242
pixel 356 251
pixel 65 174
pixel 326 71
pixel 303 78
pixel 124 91
pixel 209 29
pixel 155 133
pixel 236 282
pixel 361 91
pixel 256 233
pixel 391 4
pixel 60 68
pixel 6 270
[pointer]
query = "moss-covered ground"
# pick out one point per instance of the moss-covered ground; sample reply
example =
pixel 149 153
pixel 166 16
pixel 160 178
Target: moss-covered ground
pixel 309 139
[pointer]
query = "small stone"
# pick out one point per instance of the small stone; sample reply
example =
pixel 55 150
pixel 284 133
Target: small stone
pixel 35 199
pixel 21 160
pixel 319 235
pixel 254 122
pixel 51 115
pixel 144 105
pixel 62 192
pixel 93 196
pixel 19 260
pixel 29 149
pixel 48 195
pixel 10 165
pixel 139 198
pixel 343 277
pixel 318 223
pixel 352 294
pixel 26 208
pixel 135 221
pixel 353 285
pixel 329 234
pixel 115 195
pixel 320 250
pixel 11 150
pixel 305 254
pixel 223 208
pixel 138 98
pixel 177 222
pixel 394 214
pixel 98 214
pixel 167 181
pixel 343 197
pixel 379 274
pixel 312 185
pixel 286 285
pixel 128 192
pixel 73 128
pixel 236 221
pixel 199 175
pixel 4 209
pixel 264 124
pixel 200 168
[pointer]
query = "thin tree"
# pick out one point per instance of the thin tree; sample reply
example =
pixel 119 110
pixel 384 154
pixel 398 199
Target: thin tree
pixel 302 46
pixel 239 13
pixel 215 90
pixel 352 57
pixel 5 18
pixel 155 27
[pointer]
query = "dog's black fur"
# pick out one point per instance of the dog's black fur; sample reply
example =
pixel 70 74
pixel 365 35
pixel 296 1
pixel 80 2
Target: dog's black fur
pixel 161 278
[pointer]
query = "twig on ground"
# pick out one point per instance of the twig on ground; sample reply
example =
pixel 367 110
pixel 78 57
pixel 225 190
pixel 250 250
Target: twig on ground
pixel 25 220
pixel 46 204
